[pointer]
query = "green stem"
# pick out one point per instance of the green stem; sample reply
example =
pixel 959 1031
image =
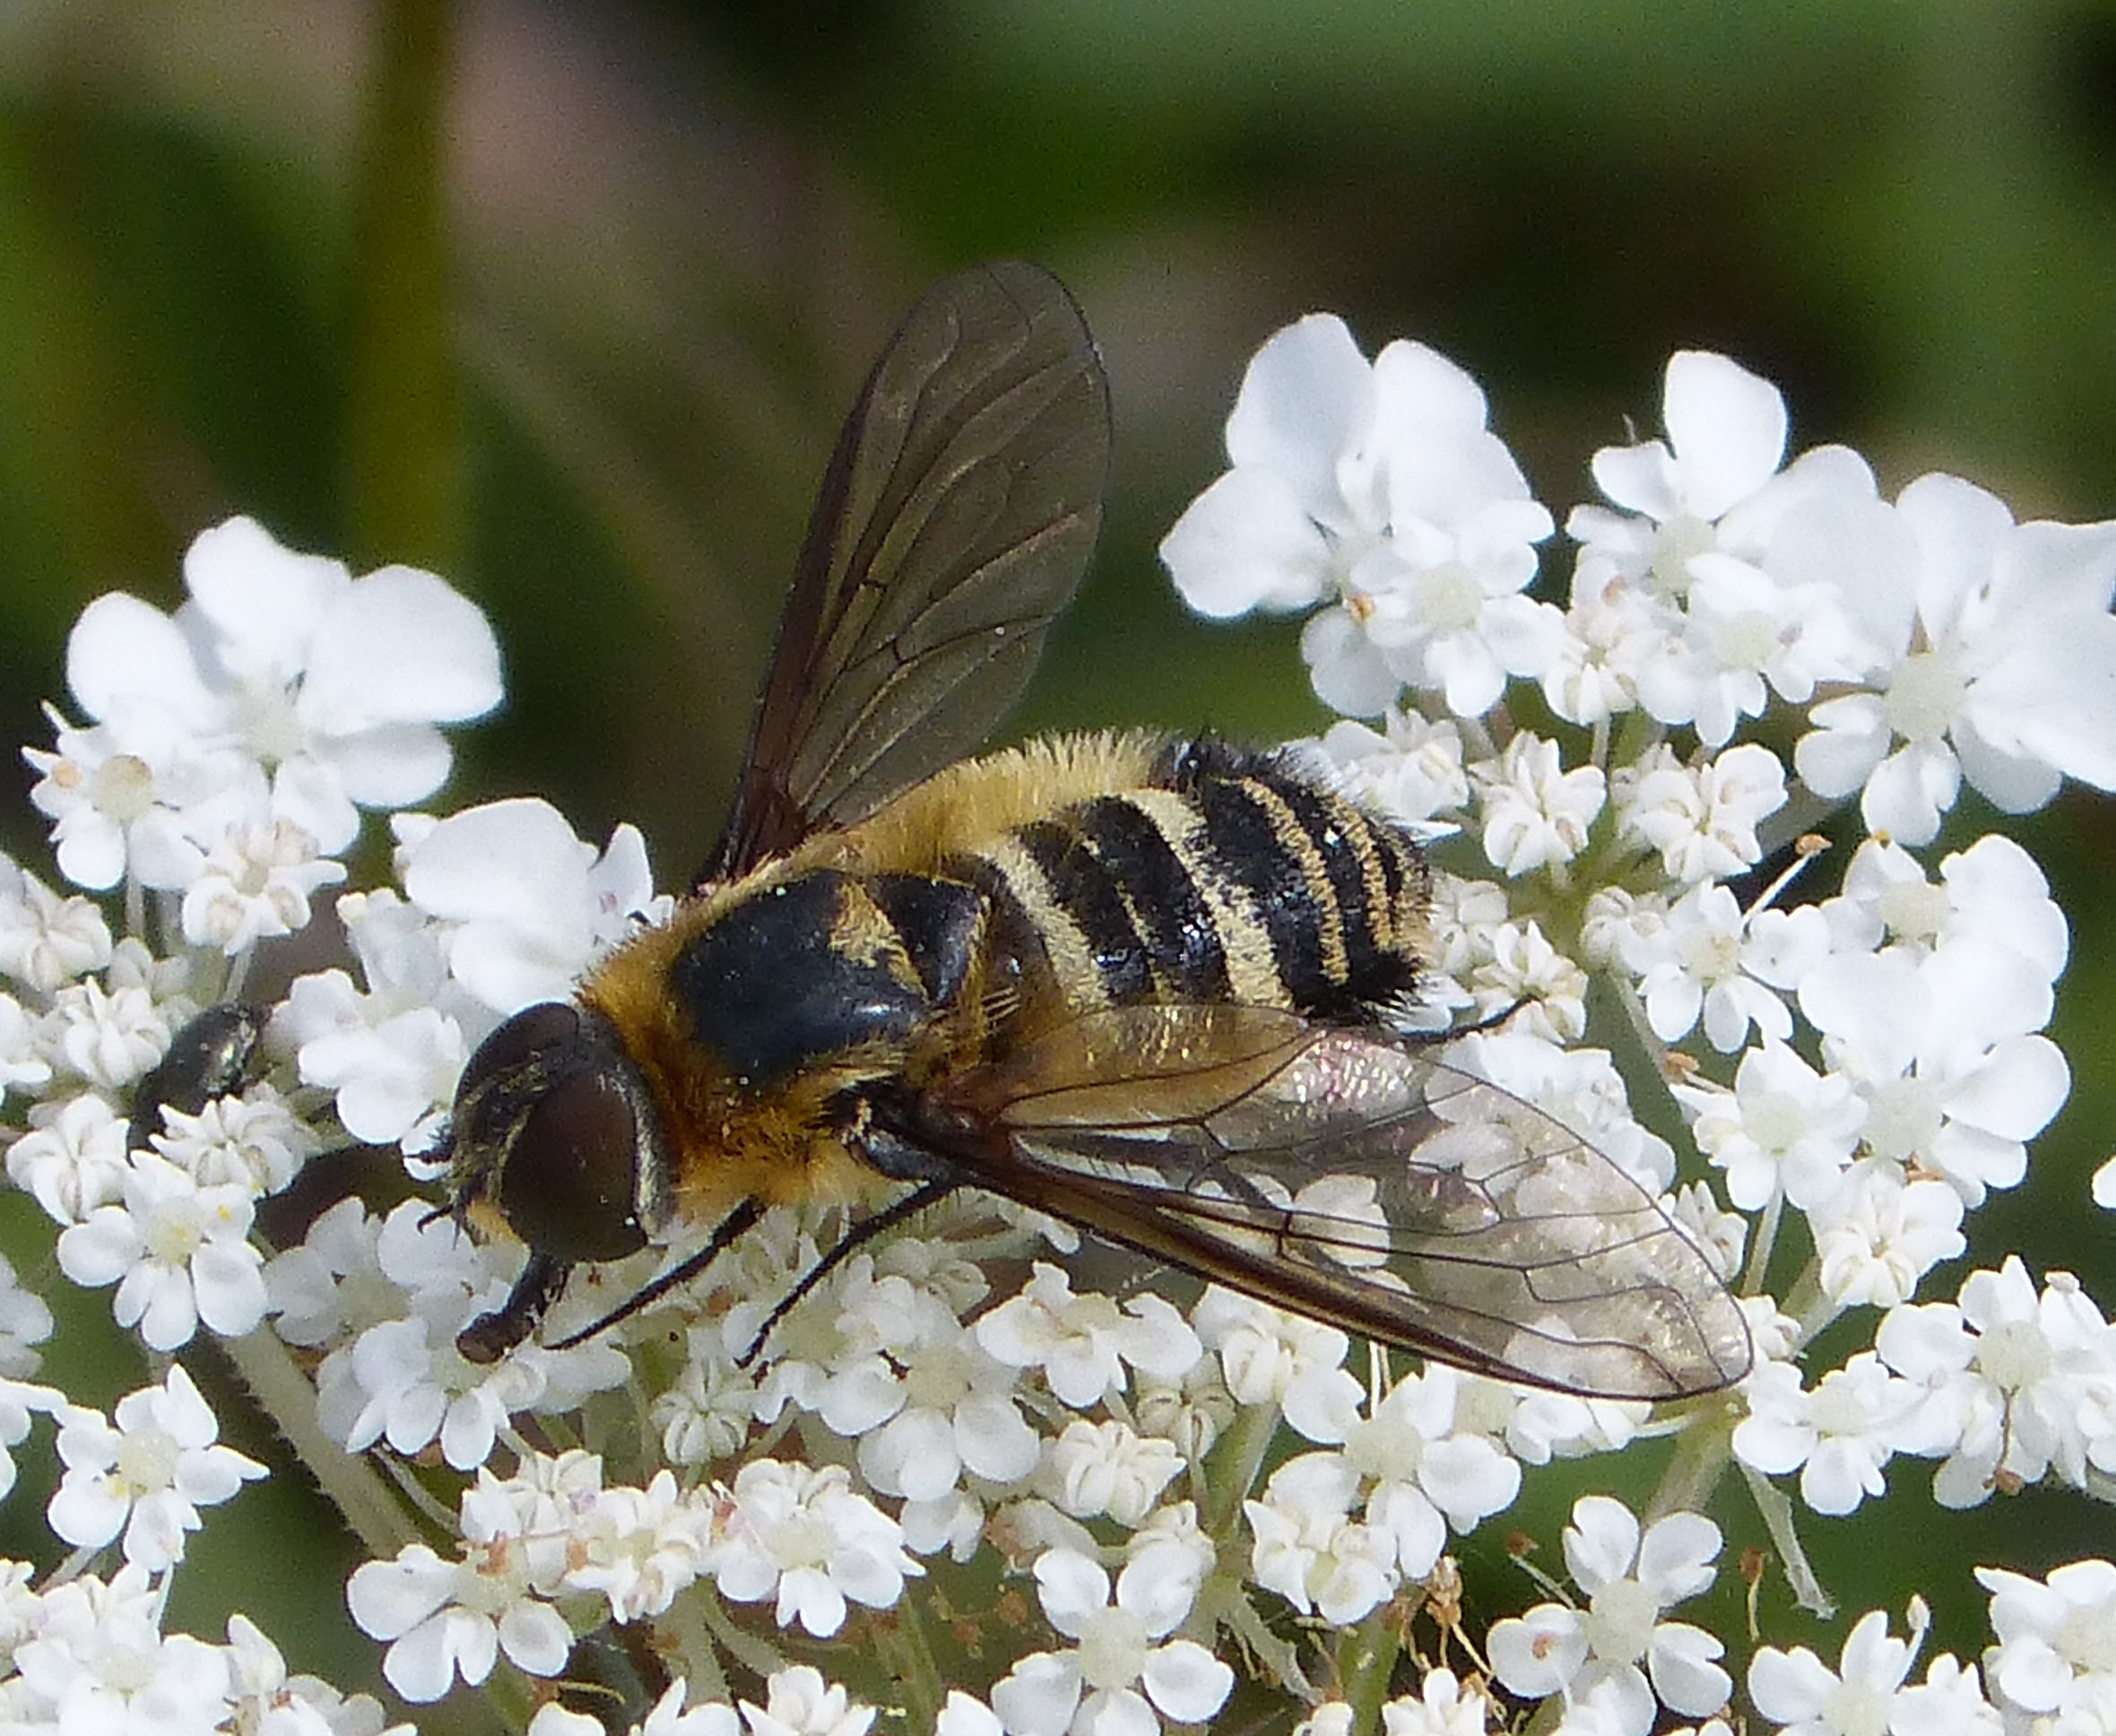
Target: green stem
pixel 759 1656
pixel 699 1657
pixel 916 1670
pixel 350 1481
pixel 1366 1662
pixel 1764 1243
pixel 1701 1457
pixel 1233 1468
pixel 402 434
pixel 1777 1508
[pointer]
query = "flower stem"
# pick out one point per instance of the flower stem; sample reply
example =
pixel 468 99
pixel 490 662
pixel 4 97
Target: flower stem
pixel 1368 1662
pixel 1233 1468
pixel 910 1658
pixel 403 433
pixel 1799 1572
pixel 370 1512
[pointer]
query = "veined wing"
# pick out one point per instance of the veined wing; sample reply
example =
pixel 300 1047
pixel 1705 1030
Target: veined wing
pixel 954 522
pixel 1345 1175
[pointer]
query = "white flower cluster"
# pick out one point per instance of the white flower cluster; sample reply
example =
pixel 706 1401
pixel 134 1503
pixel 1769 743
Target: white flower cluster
pixel 1177 1483
pixel 90 1654
pixel 1887 1061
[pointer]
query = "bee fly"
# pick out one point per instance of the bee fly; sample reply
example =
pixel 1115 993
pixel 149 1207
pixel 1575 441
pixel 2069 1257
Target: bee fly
pixel 1144 985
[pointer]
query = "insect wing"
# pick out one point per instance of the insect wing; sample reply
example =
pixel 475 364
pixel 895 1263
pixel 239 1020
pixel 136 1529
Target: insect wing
pixel 1348 1176
pixel 954 522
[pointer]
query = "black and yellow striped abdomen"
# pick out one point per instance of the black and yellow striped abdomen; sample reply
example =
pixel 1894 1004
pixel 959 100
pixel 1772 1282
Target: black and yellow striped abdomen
pixel 994 902
pixel 1228 877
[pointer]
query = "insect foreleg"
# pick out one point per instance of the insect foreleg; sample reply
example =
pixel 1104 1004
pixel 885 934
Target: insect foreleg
pixel 849 1244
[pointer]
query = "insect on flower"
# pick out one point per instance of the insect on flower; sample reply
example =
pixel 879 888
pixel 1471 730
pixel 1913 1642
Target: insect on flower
pixel 1144 984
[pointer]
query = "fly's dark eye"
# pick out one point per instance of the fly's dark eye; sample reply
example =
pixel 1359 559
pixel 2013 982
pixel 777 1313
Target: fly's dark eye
pixel 521 1039
pixel 568 1188
pixel 555 1126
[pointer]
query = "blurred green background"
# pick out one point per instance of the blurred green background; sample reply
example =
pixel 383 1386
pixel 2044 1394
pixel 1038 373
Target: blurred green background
pixel 566 301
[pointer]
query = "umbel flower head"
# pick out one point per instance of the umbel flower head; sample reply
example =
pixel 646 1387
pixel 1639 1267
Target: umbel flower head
pixel 976 1482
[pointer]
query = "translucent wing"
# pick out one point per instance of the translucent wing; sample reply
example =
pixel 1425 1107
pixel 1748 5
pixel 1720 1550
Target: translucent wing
pixel 1347 1176
pixel 955 521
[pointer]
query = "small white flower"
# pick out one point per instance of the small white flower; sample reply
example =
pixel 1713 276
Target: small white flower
pixel 1950 1702
pixel 1442 1706
pixel 148 1475
pixel 254 884
pixel 1535 813
pixel 532 905
pixel 449 1618
pixel 1991 892
pixel 2017 1381
pixel 108 1036
pixel 2051 1661
pixel 1382 485
pixel 1701 819
pixel 333 1284
pixel 1412 770
pixel 268 1702
pixel 133 801
pixel 639 1548
pixel 1097 1687
pixel 1190 1413
pixel 1797 1691
pixel 1783 1128
pixel 1840 1437
pixel 1705 960
pixel 72 1158
pixel 707 1414
pixel 803 1535
pixel 1525 970
pixel 1269 1357
pixel 799 1703
pixel 25 1320
pixel 99 1661
pixel 1629 1579
pixel 46 940
pixel 283 666
pixel 1308 1548
pixel 1942 1046
pixel 1098 1468
pixel 924 1399
pixel 178 1252
pixel 392 1055
pixel 1082 1343
pixel 255 1140
pixel 405 1381
pixel 21 1065
pixel 1881 1232
pixel 1425 1464
pixel 1753 570
pixel 1995 655
pixel 1726 438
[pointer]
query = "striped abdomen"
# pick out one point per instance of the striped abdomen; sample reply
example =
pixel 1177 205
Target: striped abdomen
pixel 1232 877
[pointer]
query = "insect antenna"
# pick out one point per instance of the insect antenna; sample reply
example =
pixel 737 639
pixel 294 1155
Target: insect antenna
pixel 927 1194
pixel 737 1222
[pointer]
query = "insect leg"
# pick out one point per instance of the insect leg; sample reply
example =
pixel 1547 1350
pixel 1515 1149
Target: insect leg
pixel 851 1242
pixel 736 1223
pixel 491 1336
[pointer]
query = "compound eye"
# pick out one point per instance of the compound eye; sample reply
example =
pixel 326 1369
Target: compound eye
pixel 550 1026
pixel 568 1185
